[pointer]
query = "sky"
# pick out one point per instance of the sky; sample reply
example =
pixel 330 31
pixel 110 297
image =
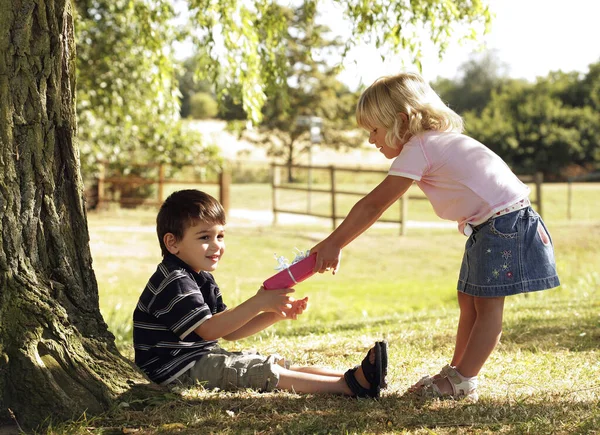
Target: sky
pixel 531 37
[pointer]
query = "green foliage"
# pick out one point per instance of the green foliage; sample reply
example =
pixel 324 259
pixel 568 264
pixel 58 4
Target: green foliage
pixel 403 25
pixel 311 90
pixel 245 41
pixel 128 96
pixel 552 125
pixel 203 106
pixel 478 78
pixel 189 84
pixel 541 126
pixel 128 102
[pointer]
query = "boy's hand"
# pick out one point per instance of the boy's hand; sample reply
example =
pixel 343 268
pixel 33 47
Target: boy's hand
pixel 298 307
pixel 276 301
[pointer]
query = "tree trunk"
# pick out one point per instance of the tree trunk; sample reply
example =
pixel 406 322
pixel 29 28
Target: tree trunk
pixel 57 357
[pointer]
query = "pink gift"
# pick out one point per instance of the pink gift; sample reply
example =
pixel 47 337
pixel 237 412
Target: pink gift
pixel 293 274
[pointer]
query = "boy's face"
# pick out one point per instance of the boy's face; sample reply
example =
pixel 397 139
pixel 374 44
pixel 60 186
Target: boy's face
pixel 201 247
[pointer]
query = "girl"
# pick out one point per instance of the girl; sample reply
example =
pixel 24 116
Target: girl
pixel 508 250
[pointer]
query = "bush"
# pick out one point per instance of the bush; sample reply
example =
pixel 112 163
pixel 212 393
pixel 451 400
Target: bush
pixel 203 106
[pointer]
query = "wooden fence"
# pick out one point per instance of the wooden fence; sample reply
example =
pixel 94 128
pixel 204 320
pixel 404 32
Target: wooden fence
pixel 129 183
pixel 333 192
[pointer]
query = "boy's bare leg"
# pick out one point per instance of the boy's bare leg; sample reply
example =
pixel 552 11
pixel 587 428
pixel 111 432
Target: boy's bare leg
pixel 319 380
pixel 301 382
pixel 318 371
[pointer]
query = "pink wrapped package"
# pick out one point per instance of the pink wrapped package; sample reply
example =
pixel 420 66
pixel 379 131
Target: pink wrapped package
pixel 293 274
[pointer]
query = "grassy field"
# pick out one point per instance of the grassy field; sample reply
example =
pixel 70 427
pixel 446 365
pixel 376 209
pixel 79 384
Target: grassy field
pixel 543 377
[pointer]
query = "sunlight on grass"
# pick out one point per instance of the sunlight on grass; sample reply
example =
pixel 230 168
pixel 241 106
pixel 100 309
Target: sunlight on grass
pixel 543 377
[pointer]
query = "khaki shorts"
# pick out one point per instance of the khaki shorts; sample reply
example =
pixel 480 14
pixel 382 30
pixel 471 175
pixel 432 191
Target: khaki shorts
pixel 236 370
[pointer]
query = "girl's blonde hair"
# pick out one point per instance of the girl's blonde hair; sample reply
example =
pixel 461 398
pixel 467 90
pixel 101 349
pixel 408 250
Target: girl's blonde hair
pixel 381 104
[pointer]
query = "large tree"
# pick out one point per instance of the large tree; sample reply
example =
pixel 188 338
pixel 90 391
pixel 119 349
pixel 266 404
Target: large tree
pixel 57 357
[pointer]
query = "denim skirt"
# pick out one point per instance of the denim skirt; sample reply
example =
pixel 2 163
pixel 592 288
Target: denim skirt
pixel 508 255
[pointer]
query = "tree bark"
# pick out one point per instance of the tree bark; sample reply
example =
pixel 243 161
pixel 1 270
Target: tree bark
pixel 57 357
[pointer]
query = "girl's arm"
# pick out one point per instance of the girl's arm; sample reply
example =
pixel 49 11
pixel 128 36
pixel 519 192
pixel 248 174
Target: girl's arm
pixel 364 214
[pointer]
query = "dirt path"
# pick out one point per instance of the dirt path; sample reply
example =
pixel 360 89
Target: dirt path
pixel 243 217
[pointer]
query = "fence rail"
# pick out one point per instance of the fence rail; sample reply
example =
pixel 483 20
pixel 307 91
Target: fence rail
pixel 333 214
pixel 129 183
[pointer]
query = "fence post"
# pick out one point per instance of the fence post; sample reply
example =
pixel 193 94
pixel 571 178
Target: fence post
pixel 161 183
pixel 275 181
pixel 101 173
pixel 569 199
pixel 224 185
pixel 403 213
pixel 539 178
pixel 333 211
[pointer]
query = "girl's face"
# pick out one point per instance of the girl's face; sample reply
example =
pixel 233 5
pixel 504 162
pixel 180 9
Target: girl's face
pixel 377 138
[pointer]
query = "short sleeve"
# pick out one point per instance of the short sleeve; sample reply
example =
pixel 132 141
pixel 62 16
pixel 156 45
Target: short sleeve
pixel 180 306
pixel 411 163
pixel 212 293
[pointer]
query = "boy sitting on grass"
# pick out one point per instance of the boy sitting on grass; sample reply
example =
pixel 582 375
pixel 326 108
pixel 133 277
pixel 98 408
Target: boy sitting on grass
pixel 180 316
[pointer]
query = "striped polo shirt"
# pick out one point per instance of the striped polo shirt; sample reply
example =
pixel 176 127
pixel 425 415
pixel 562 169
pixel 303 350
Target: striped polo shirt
pixel 174 303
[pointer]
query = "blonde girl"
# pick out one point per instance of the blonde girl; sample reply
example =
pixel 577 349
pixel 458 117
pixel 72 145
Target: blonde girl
pixel 508 250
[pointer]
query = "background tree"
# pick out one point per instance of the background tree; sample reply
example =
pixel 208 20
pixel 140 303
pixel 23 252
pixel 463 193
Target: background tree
pixel 189 84
pixel 244 41
pixel 311 90
pixel 58 358
pixel 477 79
pixel 127 75
pixel 546 126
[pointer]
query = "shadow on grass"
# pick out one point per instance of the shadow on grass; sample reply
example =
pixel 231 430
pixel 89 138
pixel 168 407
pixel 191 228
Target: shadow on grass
pixel 562 326
pixel 274 413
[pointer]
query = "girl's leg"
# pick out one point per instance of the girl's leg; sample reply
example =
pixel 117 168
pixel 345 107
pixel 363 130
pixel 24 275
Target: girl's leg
pixel 484 336
pixel 466 320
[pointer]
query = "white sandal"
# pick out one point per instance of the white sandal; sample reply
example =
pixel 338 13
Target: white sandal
pixel 426 380
pixel 462 387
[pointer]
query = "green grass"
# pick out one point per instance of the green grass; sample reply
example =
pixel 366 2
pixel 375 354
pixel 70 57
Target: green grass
pixel 543 377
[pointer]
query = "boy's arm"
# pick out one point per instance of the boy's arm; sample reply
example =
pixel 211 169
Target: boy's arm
pixel 257 324
pixel 224 323
pixel 264 320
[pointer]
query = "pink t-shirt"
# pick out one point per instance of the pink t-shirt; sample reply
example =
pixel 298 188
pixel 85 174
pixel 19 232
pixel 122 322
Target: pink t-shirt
pixel 463 179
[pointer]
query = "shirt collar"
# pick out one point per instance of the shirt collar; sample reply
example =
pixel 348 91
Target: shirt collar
pixel 174 260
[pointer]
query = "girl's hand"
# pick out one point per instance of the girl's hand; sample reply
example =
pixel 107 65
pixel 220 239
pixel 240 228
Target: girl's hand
pixel 329 256
pixel 275 301
pixel 298 307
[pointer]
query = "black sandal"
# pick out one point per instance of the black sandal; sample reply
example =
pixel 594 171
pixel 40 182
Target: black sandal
pixel 375 373
pixel 384 363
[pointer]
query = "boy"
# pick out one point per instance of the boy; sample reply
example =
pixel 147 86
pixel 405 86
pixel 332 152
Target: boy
pixel 180 316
